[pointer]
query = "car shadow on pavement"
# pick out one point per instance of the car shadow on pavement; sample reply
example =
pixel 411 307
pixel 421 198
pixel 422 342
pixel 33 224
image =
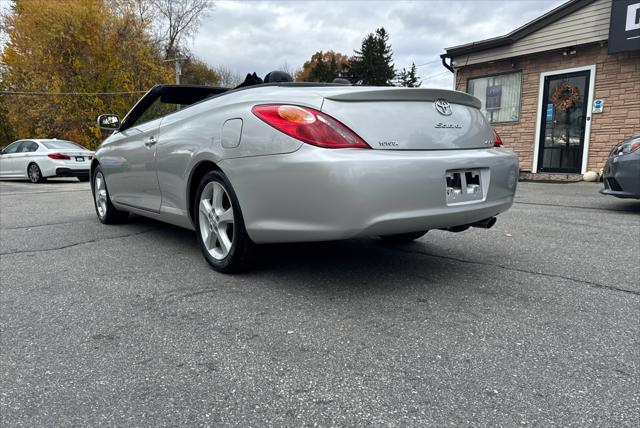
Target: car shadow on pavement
pixel 64 180
pixel 365 263
pixel 354 263
pixel 628 205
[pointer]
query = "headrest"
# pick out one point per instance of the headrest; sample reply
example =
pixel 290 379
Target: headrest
pixel 278 77
pixel 250 80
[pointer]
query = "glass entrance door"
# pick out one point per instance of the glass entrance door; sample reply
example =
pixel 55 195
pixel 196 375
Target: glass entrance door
pixel 564 118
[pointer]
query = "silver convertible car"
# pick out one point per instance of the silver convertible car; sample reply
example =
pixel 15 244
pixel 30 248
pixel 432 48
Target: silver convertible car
pixel 292 162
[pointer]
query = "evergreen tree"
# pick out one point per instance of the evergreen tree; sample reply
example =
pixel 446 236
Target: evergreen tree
pixel 373 63
pixel 319 70
pixel 409 79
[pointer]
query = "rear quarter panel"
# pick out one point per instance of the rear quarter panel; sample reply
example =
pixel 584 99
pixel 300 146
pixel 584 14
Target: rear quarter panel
pixel 194 135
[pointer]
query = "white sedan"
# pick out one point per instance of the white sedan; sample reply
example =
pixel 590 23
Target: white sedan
pixel 38 160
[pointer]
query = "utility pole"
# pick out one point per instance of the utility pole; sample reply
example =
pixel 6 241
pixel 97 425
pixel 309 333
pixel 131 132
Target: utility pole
pixel 177 63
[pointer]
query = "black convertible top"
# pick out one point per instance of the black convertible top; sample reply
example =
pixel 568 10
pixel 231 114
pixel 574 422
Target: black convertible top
pixel 186 95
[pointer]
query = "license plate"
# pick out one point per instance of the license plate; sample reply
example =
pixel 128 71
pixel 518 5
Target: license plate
pixel 79 158
pixel 464 186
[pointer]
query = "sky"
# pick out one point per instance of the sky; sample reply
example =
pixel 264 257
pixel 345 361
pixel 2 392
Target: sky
pixel 262 36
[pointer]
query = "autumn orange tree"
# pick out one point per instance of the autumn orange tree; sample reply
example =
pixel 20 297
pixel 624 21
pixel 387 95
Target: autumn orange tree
pixel 323 67
pixel 82 49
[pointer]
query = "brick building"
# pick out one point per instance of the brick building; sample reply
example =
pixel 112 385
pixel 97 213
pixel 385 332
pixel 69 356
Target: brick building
pixel 562 89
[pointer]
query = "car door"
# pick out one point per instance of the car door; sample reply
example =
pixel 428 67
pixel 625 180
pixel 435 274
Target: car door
pixel 129 159
pixel 8 166
pixel 24 155
pixel 130 167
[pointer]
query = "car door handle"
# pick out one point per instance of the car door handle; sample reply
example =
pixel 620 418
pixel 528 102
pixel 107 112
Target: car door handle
pixel 151 141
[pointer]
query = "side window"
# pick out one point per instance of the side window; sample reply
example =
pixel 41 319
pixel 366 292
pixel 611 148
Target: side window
pixel 500 96
pixel 156 110
pixel 13 147
pixel 27 146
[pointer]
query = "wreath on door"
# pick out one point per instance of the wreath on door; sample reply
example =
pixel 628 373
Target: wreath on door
pixel 565 96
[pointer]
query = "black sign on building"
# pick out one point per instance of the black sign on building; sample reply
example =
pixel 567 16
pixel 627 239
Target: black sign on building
pixel 624 29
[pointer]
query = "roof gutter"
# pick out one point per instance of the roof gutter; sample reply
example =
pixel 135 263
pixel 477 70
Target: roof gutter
pixel 444 62
pixel 517 34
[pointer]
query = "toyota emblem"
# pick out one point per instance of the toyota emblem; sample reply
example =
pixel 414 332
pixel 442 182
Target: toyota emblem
pixel 443 107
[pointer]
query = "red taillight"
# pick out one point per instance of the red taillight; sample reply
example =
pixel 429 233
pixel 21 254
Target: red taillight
pixel 309 125
pixel 59 156
pixel 497 141
pixel 90 157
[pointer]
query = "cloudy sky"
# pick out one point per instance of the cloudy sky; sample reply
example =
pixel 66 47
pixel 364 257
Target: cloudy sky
pixel 261 36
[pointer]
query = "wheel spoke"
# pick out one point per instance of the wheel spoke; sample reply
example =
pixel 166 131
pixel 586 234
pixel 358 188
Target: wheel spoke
pixel 225 243
pixel 226 217
pixel 218 194
pixel 205 207
pixel 212 240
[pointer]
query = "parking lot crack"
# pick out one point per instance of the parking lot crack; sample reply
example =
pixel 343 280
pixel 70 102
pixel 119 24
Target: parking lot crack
pixel 75 244
pixel 515 269
pixel 43 192
pixel 46 224
pixel 542 204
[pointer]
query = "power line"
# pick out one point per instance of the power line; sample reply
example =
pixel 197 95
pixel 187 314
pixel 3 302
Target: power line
pixel 69 93
pixel 435 75
pixel 427 63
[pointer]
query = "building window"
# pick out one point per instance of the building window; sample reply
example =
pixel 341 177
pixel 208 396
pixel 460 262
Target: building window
pixel 500 96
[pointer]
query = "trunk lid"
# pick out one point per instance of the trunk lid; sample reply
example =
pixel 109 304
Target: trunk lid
pixel 76 156
pixel 412 118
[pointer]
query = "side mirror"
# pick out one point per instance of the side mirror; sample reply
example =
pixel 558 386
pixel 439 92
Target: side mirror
pixel 109 122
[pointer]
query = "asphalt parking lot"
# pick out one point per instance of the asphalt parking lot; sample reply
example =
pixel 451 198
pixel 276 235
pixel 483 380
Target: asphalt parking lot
pixel 534 322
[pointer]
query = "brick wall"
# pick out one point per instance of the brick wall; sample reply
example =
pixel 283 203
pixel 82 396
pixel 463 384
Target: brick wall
pixel 617 84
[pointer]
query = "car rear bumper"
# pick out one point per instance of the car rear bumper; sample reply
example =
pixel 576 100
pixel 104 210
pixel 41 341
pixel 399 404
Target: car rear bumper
pixel 319 194
pixel 72 172
pixel 621 176
pixel 63 168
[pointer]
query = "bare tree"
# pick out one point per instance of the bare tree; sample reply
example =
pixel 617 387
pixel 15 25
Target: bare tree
pixel 170 22
pixel 178 20
pixel 143 10
pixel 287 68
pixel 228 77
pixel 4 28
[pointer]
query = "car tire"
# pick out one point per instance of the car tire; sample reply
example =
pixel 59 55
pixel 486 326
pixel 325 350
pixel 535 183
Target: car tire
pixel 220 228
pixel 107 213
pixel 404 237
pixel 34 173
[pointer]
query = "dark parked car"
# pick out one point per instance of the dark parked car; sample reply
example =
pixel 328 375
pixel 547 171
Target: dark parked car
pixel 621 174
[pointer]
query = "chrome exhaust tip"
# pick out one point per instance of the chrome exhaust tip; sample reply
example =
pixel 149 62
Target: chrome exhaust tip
pixel 487 223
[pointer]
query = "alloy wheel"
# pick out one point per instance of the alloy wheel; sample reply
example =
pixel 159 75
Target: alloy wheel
pixel 34 173
pixel 216 220
pixel 100 190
